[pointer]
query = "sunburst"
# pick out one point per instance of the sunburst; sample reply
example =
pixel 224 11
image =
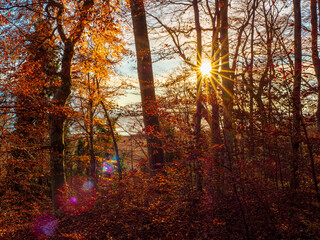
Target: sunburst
pixel 206 69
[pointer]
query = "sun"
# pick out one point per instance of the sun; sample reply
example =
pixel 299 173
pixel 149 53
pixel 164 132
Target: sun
pixel 205 69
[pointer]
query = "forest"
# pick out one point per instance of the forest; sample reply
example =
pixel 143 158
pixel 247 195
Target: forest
pixel 223 143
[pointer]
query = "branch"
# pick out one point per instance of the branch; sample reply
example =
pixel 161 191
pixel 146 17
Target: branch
pixel 77 32
pixel 175 40
pixel 59 18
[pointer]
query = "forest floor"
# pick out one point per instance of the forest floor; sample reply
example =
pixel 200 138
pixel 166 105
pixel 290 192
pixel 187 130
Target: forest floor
pixel 162 207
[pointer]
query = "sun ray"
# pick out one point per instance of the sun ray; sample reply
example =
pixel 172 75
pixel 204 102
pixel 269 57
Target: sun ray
pixel 220 84
pixel 199 86
pixel 223 58
pixel 231 79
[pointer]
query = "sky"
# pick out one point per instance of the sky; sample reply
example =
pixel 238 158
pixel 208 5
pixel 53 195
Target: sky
pixel 128 70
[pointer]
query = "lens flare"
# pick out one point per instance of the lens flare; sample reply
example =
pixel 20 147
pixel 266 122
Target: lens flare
pixel 73 200
pixel 107 168
pixel 87 186
pixel 78 195
pixel 45 225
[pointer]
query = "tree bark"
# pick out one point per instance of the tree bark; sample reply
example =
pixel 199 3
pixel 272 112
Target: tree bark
pixel 199 77
pixel 56 124
pixel 227 84
pixel 61 94
pixel 316 64
pixel 251 80
pixel 115 144
pixel 198 98
pixel 315 53
pixel 93 163
pixel 296 102
pixel 215 115
pixel 147 89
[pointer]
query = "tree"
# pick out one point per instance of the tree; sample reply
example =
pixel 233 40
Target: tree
pixel 296 101
pixel 228 85
pixel 62 92
pixel 62 35
pixel 33 83
pixel 315 53
pixel 316 64
pixel 198 98
pixel 147 89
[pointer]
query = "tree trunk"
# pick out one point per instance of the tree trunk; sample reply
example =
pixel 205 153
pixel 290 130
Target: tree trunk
pixel 56 124
pixel 93 164
pixel 58 116
pixel 215 115
pixel 296 102
pixel 251 126
pixel 316 64
pixel 315 53
pixel 199 77
pixel 198 98
pixel 228 84
pixel 147 89
pixel 115 144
